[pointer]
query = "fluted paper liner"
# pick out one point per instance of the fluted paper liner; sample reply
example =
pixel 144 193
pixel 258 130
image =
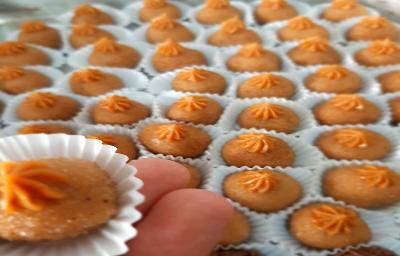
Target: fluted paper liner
pixel 13 128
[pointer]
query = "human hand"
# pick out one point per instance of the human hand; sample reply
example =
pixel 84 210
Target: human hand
pixel 176 221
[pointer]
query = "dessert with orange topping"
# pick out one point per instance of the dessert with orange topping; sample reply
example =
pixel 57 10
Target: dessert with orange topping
pixel 237 231
pixel 314 51
pixel 216 11
pixel 327 226
pixel 200 81
pixel 366 186
pixel 379 53
pixel 353 144
pixel 93 82
pixel 266 85
pixel 119 110
pixel 334 79
pixel 263 191
pixel 274 10
pixel 37 32
pixel 195 109
pixel 47 128
pixel 164 27
pixel 233 32
pixel 254 58
pixel 87 14
pixel 54 199
pixel 340 10
pixel 373 28
pixel 394 105
pixel 15 80
pixel 236 253
pixel 175 139
pixel 13 53
pixel 47 106
pixel 124 144
pixel 346 109
pixel 389 81
pixel 86 34
pixel 196 178
pixel 257 149
pixel 171 55
pixel 301 27
pixel 269 116
pixel 107 52
pixel 154 8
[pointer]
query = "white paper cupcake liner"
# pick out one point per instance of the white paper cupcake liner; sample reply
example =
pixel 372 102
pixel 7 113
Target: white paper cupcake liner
pixel 163 82
pixel 382 227
pixel 228 121
pixel 13 128
pixel 309 136
pixel 310 102
pixel 305 154
pixel 80 57
pixel 376 72
pixel 209 52
pixel 85 116
pixel 108 239
pixel 212 131
pixel 119 17
pixel 10 116
pixel 132 10
pixel 131 79
pixel 387 98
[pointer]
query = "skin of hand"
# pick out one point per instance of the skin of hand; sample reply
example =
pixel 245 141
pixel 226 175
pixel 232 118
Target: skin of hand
pixel 176 221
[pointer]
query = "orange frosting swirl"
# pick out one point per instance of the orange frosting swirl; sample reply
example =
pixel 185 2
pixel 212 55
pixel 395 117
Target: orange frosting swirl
pixel 256 143
pixel 375 176
pixel 265 111
pixel 314 44
pixel 193 75
pixel 344 4
pixel 84 30
pixel 29 185
pixel 333 220
pixel 252 50
pixel 163 22
pixel 383 47
pixel 11 48
pixel 8 73
pixel 170 49
pixel 233 25
pixel 333 72
pixel 217 4
pixel 116 104
pixel 87 75
pixel 374 22
pixel 34 128
pixel 104 138
pixel 348 102
pixel 42 99
pixel 300 23
pixel 351 138
pixel 106 45
pixel 192 103
pixel 264 81
pixel 154 3
pixel 171 132
pixel 274 4
pixel 86 9
pixel 33 26
pixel 258 181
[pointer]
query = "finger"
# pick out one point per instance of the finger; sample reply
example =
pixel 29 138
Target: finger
pixel 184 222
pixel 159 177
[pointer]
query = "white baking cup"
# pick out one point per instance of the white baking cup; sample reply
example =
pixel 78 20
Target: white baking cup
pixel 13 128
pixel 212 131
pixel 317 11
pixel 110 238
pixel 140 33
pixel 163 82
pixel 119 17
pixel 369 86
pixel 10 116
pixel 131 79
pixel 212 55
pixel 388 97
pixel 309 136
pixel 246 13
pixel 376 72
pixel 80 57
pixel 215 181
pixel 85 116
pixel 132 10
pixel 305 154
pixel 312 101
pixel 382 227
pixel 291 76
pixel 228 121
pixel 166 99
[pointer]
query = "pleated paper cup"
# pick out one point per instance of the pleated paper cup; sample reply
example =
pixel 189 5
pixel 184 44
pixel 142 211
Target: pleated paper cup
pixel 317 11
pixel 13 128
pixel 108 239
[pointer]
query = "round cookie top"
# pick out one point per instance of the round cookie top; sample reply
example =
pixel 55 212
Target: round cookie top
pixel 12 48
pixel 87 34
pixel 163 22
pixel 154 4
pixel 154 8
pixel 87 75
pixel 217 4
pixel 169 48
pixel 274 10
pixel 164 27
pixel 301 27
pixel 390 81
pixel 379 53
pixel 14 53
pixel 106 45
pixel 33 26
pixel 88 14
pixel 44 128
pixel 373 28
pixel 237 231
pixel 84 30
pixel 216 11
pixel 8 73
pixel 340 10
pixel 123 143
